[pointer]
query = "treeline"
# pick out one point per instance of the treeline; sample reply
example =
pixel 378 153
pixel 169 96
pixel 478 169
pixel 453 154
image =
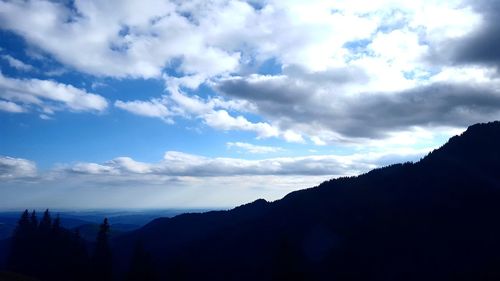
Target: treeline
pixel 44 250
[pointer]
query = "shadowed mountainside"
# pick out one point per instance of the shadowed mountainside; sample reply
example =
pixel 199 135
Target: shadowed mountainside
pixel 436 219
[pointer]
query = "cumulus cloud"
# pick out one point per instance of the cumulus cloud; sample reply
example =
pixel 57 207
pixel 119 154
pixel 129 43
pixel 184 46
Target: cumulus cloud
pixel 368 81
pixel 345 69
pixel 16 168
pixel 118 38
pixel 47 96
pixel 207 38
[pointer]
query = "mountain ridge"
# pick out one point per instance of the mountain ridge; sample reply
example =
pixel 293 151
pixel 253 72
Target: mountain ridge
pixel 402 222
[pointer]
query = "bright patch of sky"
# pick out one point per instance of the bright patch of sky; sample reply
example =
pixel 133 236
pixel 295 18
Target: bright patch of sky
pixel 212 104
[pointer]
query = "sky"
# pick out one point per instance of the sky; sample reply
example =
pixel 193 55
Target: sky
pixel 211 104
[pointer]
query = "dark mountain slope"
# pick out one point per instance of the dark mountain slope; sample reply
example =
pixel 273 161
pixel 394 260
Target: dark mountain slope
pixel 433 220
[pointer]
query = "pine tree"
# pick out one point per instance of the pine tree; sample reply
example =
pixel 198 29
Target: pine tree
pixel 46 222
pixel 45 258
pixel 24 254
pixel 48 251
pixel 101 260
pixel 20 241
pixel 34 221
pixel 23 224
pixel 35 241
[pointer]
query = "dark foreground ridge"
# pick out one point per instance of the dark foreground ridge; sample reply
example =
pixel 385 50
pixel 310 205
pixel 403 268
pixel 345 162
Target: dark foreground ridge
pixel 437 219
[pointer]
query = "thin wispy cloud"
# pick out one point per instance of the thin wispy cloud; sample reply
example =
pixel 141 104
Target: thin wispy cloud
pixel 252 148
pixel 17 63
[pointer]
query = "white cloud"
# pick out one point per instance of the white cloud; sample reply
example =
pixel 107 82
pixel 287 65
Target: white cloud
pixel 48 96
pixel 153 108
pixel 220 119
pixel 117 38
pixel 16 168
pixel 472 75
pixel 252 148
pixel 291 136
pixel 178 179
pixel 450 19
pixel 213 112
pixel 337 59
pixel 93 169
pixel 129 165
pixel 11 107
pixel 317 140
pixel 179 164
pixel 45 117
pixel 400 47
pixel 218 37
pixel 17 64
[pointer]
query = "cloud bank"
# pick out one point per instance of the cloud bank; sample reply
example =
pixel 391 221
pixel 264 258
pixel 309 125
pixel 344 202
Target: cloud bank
pixel 178 179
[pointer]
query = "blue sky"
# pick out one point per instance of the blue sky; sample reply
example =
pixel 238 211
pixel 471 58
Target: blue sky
pixel 194 104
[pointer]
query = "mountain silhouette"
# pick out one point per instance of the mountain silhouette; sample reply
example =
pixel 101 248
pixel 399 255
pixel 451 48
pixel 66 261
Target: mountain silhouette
pixel 436 219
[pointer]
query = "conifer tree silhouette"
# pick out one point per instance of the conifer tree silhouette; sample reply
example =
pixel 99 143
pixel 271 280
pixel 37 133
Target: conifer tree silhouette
pixel 46 222
pixel 34 221
pixel 47 251
pixel 46 246
pixel 101 260
pixel 33 253
pixel 24 248
pixel 16 260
